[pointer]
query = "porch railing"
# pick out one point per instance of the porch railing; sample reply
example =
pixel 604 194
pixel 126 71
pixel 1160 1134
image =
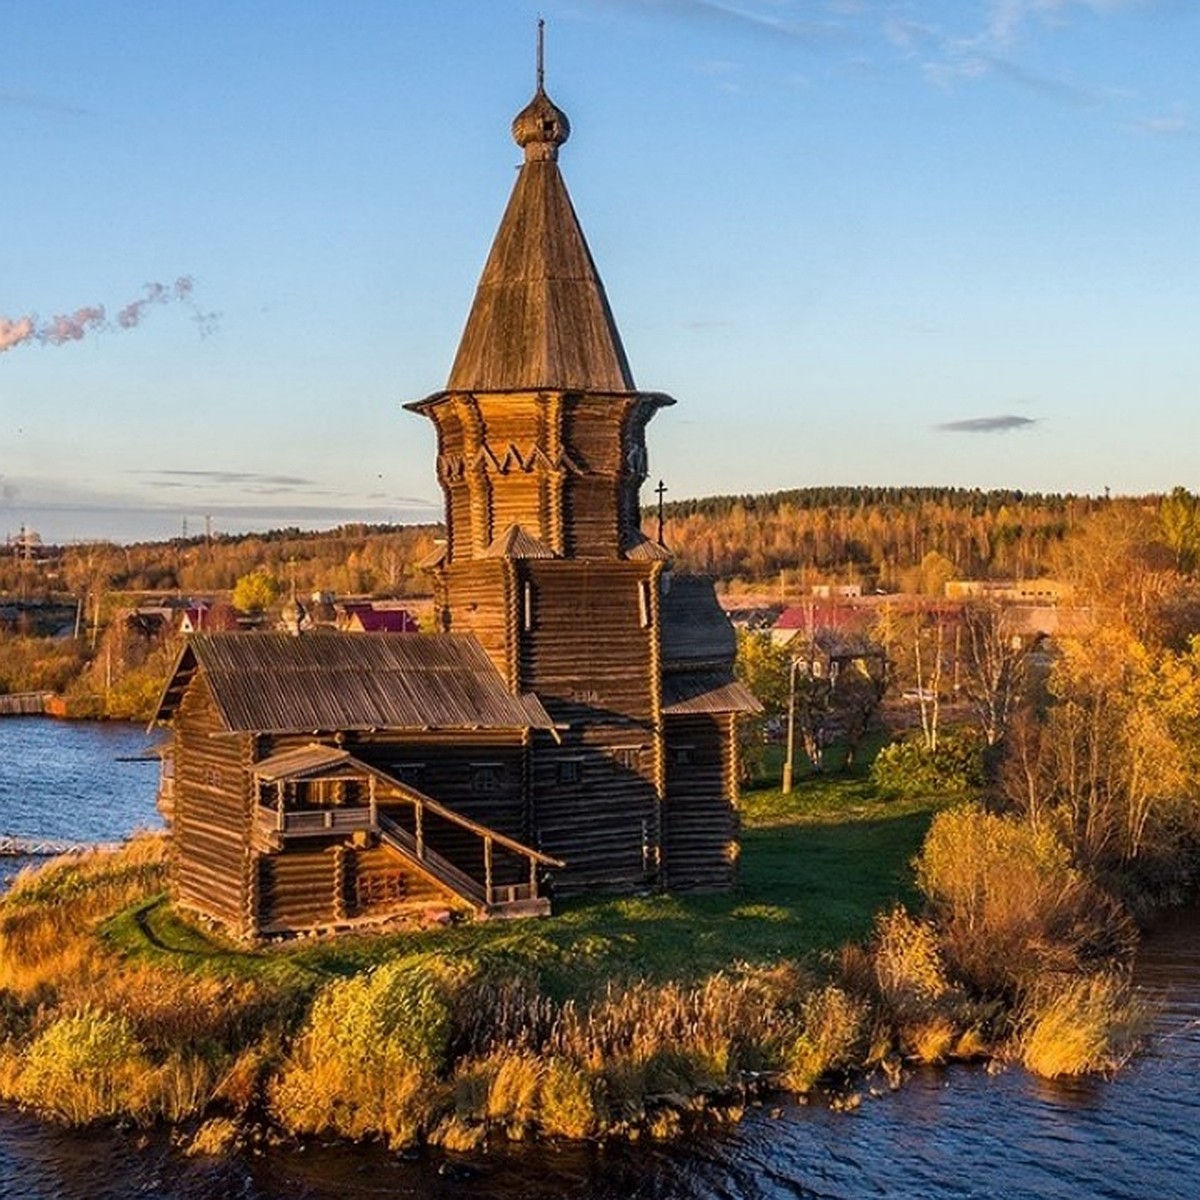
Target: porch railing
pixel 313 822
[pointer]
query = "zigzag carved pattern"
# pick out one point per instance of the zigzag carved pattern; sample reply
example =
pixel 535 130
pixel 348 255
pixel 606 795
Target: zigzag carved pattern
pixel 452 467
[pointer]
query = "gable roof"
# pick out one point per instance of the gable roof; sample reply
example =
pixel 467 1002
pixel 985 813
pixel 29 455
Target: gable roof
pixel 279 683
pixel 382 620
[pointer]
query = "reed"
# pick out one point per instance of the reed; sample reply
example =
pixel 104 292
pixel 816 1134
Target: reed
pixel 1079 1025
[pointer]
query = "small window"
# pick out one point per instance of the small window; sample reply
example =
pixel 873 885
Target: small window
pixel 683 756
pixel 486 778
pixel 410 773
pixel 629 757
pixel 644 611
pixel 212 777
pixel 527 607
pixel 570 770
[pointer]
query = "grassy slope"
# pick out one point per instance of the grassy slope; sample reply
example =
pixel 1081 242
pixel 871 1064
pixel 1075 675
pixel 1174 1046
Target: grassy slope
pixel 815 869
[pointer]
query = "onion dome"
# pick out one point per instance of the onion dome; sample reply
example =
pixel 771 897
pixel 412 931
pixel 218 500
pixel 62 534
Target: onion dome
pixel 540 128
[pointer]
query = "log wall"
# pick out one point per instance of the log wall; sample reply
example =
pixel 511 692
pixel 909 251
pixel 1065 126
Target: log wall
pixel 210 865
pixel 480 600
pixel 700 816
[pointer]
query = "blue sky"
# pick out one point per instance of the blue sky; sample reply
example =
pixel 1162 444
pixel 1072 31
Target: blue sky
pixel 901 241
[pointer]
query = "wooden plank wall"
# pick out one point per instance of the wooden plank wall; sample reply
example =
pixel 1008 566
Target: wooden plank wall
pixel 211 825
pixel 479 598
pixel 603 822
pixel 590 656
pixel 588 651
pixel 378 881
pixel 699 816
pixel 302 888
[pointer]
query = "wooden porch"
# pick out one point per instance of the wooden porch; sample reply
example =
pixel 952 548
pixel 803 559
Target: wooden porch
pixel 322 792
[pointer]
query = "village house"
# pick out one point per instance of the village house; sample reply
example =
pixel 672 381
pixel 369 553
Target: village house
pixel 571 725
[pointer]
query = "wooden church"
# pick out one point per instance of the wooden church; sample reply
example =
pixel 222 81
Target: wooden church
pixel 572 724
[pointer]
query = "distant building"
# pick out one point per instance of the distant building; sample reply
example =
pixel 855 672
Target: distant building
pixel 1010 591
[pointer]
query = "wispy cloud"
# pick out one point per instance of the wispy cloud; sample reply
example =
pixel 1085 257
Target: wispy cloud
pixel 1002 424
pixel 193 478
pixel 42 104
pixel 951 45
pixel 790 20
pixel 1175 123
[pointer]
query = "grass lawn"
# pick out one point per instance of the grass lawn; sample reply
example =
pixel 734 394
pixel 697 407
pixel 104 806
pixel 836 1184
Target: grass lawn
pixel 815 868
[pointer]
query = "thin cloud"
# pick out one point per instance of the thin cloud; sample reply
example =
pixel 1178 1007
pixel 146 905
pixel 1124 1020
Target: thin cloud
pixel 1001 424
pixel 1173 124
pixel 194 478
pixel 40 104
pixel 751 17
pixel 1008 18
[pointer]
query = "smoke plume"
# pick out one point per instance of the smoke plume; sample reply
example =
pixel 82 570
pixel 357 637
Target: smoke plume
pixel 71 327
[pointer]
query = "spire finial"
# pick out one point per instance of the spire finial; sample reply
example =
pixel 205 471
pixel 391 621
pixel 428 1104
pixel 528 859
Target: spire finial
pixel 541 127
pixel 541 55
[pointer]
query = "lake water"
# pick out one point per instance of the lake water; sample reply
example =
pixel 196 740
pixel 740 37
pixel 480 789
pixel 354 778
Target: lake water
pixel 953 1133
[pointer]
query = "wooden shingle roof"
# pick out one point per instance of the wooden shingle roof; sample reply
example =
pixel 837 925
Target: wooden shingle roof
pixel 689 693
pixel 540 318
pixel 695 631
pixel 274 682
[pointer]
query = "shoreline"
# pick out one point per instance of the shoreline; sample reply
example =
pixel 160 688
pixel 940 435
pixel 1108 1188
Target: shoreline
pixel 592 1024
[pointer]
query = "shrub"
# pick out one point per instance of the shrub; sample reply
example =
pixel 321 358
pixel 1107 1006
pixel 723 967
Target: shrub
pixel 567 1105
pixel 911 769
pixel 907 960
pixel 834 1028
pixel 1009 904
pixel 84 1067
pixel 368 1057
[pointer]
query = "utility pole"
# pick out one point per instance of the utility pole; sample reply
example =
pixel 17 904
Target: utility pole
pixel 660 491
pixel 790 760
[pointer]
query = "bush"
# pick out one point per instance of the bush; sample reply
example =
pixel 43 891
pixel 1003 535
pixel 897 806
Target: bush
pixel 369 1055
pixel 911 769
pixel 909 972
pixel 834 1028
pixel 84 1067
pixel 1009 904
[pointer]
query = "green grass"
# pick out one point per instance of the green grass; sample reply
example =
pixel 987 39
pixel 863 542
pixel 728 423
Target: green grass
pixel 815 869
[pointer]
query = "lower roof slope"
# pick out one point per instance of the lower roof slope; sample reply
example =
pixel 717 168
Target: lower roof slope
pixel 279 683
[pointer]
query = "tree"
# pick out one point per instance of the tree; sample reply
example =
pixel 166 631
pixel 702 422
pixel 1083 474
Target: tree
pixel 1113 764
pixel 1179 517
pixel 993 667
pixel 256 591
pixel 763 667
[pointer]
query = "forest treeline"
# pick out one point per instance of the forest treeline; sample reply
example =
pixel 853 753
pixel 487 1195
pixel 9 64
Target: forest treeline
pixel 878 537
pixel 350 560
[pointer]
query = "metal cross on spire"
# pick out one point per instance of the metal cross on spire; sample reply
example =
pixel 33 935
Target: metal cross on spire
pixel 541 54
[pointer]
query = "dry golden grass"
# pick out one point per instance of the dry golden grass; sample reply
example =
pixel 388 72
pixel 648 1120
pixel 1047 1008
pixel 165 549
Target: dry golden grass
pixel 835 1029
pixel 907 960
pixel 84 1067
pixel 216 1137
pixel 1075 1026
pixel 49 913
